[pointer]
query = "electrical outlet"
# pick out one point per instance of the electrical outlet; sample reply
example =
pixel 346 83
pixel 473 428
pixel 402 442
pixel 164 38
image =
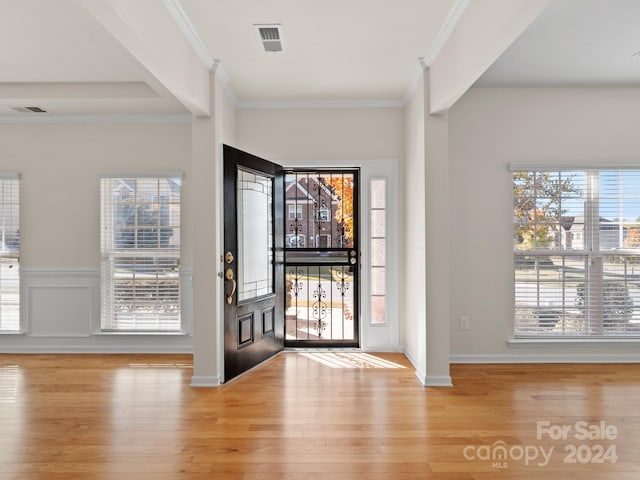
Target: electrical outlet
pixel 463 324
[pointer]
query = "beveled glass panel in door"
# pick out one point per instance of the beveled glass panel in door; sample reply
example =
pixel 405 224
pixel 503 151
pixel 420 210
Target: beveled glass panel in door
pixel 255 235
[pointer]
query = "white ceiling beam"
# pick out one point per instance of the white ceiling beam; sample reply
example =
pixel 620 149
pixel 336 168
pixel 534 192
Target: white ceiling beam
pixel 148 30
pixel 481 34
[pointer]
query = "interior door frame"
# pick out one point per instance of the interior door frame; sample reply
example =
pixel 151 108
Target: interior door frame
pixel 373 337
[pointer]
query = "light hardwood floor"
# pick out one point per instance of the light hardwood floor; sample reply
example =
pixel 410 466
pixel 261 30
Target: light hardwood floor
pixel 306 416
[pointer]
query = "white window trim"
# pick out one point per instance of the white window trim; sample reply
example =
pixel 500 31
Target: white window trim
pixel 21 328
pixel 324 214
pixel 100 330
pixel 138 174
pixel 591 250
pixel 297 210
pixel 594 341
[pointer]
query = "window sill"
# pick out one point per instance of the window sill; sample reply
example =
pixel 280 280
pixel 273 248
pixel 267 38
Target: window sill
pixel 13 332
pixel 578 342
pixel 141 334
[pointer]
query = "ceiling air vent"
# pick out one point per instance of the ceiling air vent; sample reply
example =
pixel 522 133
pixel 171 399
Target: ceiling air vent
pixel 271 37
pixel 29 109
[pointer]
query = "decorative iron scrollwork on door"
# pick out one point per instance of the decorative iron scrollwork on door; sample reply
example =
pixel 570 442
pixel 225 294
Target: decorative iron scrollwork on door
pixel 321 274
pixel 342 284
pixel 319 309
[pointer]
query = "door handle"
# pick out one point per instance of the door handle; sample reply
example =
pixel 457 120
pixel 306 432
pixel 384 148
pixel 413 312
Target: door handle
pixel 228 275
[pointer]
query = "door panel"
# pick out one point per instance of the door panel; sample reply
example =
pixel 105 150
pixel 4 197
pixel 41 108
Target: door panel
pixel 253 261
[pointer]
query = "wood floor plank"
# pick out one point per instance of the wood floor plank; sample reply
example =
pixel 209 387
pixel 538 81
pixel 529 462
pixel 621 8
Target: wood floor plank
pixel 300 416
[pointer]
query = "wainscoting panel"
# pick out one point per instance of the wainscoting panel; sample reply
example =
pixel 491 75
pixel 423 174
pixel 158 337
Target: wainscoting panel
pixel 60 302
pixel 60 313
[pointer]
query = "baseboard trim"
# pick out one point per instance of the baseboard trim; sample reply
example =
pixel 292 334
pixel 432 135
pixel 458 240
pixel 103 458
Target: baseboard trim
pixel 205 381
pixel 558 358
pixel 97 349
pixel 429 380
pixel 438 381
pixel 421 377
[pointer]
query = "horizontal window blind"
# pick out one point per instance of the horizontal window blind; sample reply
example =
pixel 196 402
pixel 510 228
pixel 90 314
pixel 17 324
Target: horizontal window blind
pixel 9 253
pixel 140 254
pixel 577 253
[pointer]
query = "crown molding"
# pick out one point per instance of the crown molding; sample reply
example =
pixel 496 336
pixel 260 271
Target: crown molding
pixel 214 65
pixel 189 31
pixel 43 119
pixel 450 22
pixel 313 104
pixel 227 89
pixel 439 41
pixel 413 83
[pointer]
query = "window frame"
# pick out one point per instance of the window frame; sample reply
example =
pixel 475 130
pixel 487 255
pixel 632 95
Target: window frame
pixel 297 211
pixel 324 214
pixel 145 261
pixel 378 300
pixel 12 255
pixel 597 262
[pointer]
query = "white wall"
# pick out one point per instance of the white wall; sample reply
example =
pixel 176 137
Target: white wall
pixel 321 134
pixel 229 112
pixel 413 302
pixel 488 128
pixel 59 190
pixel 372 139
pixel 60 244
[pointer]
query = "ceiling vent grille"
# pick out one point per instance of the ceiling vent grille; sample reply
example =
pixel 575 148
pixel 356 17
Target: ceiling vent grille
pixel 271 37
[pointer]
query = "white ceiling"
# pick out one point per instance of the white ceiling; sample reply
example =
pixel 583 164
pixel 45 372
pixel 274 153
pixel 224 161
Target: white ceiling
pixel 574 43
pixel 54 55
pixel 332 49
pixel 51 56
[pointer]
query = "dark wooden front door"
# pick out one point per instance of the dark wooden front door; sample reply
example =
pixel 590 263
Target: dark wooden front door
pixel 253 261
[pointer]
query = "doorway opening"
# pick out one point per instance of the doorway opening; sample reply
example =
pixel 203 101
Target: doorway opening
pixel 321 258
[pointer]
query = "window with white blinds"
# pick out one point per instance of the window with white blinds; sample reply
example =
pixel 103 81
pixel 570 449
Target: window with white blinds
pixel 9 253
pixel 140 254
pixel 577 253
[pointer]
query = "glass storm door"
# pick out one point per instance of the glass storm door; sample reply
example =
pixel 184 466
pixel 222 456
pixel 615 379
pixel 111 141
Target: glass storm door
pixel 321 258
pixel 253 269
